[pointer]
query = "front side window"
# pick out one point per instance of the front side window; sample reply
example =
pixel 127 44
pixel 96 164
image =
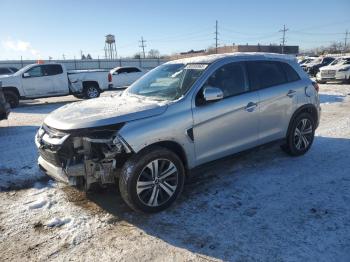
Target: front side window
pixel 263 74
pixel 230 79
pixel 35 71
pixel 167 82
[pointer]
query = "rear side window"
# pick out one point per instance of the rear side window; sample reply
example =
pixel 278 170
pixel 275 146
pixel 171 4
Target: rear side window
pixel 263 74
pixel 290 72
pixel 230 79
pixel 133 70
pixel 121 70
pixel 50 70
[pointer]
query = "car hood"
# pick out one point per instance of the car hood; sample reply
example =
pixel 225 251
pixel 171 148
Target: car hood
pixel 103 112
pixel 334 67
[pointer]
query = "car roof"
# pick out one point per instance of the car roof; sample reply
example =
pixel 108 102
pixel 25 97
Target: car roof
pixel 208 59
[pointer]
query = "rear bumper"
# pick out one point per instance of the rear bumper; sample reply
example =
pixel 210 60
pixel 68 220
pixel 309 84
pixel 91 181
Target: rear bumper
pixel 55 172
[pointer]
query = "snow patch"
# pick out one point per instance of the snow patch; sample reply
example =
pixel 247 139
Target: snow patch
pixel 38 204
pixel 58 222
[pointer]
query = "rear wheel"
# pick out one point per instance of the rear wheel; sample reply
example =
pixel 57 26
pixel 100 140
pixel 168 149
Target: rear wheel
pixel 301 135
pixel 152 180
pixel 12 98
pixel 91 92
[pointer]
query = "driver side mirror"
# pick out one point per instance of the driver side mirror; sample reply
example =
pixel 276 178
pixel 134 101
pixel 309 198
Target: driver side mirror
pixel 25 75
pixel 211 94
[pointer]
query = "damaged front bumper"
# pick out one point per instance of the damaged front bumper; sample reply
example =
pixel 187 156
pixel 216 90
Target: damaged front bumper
pixel 81 158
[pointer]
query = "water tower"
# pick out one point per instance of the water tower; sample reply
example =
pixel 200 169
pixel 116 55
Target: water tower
pixel 110 47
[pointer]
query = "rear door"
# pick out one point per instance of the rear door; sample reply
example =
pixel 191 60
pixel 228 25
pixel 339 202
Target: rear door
pixel 228 125
pixel 57 78
pixel 120 77
pixel 277 96
pixel 133 74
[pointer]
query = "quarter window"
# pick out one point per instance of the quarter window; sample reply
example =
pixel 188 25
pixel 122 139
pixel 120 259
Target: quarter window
pixel 290 73
pixel 263 74
pixel 230 79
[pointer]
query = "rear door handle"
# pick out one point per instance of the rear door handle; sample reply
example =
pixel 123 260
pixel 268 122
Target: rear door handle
pixel 251 106
pixel 291 93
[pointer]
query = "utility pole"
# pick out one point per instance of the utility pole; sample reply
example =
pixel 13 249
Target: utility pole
pixel 284 30
pixel 346 40
pixel 142 45
pixel 64 57
pixel 216 36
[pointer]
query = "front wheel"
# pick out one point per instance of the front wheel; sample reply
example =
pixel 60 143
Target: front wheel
pixel 91 92
pixel 12 98
pixel 301 135
pixel 152 180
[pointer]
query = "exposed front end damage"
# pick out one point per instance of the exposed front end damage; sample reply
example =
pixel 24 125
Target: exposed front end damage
pixel 82 157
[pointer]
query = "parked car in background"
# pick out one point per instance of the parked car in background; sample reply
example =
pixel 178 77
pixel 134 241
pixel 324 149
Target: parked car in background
pixel 122 77
pixel 313 67
pixel 8 70
pixel 4 106
pixel 178 116
pixel 306 60
pixel 48 80
pixel 338 70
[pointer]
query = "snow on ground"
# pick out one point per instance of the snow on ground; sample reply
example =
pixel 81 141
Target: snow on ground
pixel 258 206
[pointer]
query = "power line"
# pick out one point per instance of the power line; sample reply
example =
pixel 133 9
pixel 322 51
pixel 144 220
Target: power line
pixel 143 46
pixel 216 36
pixel 284 30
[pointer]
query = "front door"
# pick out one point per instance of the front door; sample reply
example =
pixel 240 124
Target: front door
pixel 35 83
pixel 229 125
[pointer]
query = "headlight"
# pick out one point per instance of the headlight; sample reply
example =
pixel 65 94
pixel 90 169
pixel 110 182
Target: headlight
pixel 343 69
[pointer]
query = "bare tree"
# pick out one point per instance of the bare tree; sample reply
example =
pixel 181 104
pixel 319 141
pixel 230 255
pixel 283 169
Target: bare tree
pixel 153 53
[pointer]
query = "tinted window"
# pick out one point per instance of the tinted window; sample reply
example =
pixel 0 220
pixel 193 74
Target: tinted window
pixel 290 73
pixel 4 71
pixel 133 70
pixel 263 74
pixel 35 71
pixel 230 79
pixel 121 70
pixel 50 70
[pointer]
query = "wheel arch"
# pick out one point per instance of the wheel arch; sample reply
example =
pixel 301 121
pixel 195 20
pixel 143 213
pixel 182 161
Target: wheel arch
pixel 172 146
pixel 13 89
pixel 308 108
pixel 86 84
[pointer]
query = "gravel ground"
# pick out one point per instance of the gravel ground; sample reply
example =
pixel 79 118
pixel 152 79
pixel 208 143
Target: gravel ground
pixel 256 206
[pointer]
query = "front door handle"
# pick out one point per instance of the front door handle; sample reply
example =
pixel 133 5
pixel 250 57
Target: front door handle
pixel 251 106
pixel 291 93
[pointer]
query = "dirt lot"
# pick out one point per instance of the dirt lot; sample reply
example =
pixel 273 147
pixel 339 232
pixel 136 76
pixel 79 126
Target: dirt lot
pixel 258 206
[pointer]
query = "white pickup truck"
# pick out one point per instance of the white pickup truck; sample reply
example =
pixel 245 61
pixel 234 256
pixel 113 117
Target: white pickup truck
pixel 48 80
pixel 124 76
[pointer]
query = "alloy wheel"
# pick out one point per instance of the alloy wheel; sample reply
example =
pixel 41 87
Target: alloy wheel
pixel 303 134
pixel 92 92
pixel 157 182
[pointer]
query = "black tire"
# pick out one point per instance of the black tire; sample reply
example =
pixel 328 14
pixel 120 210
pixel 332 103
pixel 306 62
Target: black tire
pixel 91 91
pixel 12 98
pixel 296 145
pixel 135 171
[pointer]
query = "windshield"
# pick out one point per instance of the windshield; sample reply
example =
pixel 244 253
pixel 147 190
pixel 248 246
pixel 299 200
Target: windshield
pixel 341 61
pixel 168 81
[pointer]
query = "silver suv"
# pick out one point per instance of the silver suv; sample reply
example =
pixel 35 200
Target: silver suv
pixel 176 117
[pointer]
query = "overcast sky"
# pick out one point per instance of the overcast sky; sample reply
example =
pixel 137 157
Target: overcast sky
pixel 42 28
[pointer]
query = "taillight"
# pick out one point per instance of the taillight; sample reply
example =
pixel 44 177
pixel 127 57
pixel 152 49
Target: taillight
pixel 317 88
pixel 109 77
